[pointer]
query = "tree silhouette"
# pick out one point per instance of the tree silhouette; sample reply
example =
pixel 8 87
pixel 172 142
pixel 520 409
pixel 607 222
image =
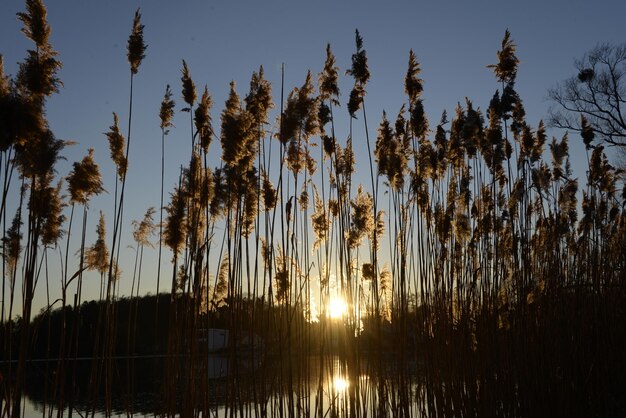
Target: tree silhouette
pixel 594 100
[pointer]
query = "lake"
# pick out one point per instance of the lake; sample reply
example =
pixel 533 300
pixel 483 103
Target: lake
pixel 311 386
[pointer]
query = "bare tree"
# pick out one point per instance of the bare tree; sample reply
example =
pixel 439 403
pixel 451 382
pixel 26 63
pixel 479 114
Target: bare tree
pixel 594 101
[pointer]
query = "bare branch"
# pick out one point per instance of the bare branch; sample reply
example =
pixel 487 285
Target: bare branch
pixel 598 92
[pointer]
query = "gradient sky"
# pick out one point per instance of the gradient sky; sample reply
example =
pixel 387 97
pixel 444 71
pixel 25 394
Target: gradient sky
pixel 224 40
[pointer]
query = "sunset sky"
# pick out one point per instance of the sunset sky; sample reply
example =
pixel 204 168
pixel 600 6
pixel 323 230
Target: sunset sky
pixel 224 40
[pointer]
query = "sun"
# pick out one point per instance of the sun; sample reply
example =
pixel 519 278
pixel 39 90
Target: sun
pixel 340 384
pixel 337 307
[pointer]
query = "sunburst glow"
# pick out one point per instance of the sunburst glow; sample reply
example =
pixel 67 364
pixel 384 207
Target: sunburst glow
pixel 337 307
pixel 340 384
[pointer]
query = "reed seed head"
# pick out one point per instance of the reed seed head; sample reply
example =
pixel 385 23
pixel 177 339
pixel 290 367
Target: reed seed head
pixel 412 83
pixel 586 131
pixel 35 22
pixel 116 146
pixel 174 231
pixel 189 88
pixel 259 99
pixel 203 122
pixel 52 230
pixel 328 79
pixel 144 229
pixel 12 243
pixel 136 47
pixel 359 69
pixel 506 68
pixel 84 180
pixel 97 256
pixel 166 113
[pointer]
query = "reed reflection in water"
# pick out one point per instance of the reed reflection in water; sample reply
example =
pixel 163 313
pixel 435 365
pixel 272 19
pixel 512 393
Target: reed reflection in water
pixel 324 391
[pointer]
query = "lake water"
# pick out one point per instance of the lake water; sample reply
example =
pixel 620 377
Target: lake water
pixel 311 386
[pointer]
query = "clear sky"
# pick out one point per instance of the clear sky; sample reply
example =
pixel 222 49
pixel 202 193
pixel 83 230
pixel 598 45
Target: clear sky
pixel 227 40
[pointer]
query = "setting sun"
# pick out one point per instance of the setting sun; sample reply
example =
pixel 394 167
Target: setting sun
pixel 337 307
pixel 340 384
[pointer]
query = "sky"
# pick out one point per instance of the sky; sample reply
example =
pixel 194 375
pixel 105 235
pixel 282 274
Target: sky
pixel 227 40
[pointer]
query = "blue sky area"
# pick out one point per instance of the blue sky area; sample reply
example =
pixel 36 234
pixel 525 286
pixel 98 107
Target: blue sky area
pixel 224 40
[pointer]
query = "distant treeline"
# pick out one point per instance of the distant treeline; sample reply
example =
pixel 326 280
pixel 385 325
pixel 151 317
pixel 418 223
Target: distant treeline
pixel 141 327
pixel 137 316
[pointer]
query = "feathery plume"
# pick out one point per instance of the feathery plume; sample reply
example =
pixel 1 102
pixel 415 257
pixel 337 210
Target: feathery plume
pixel 367 272
pixel 383 147
pixel 361 75
pixel 356 99
pixel 559 150
pixel 250 203
pixel 259 99
pixel 84 180
pixel 540 140
pixel 52 231
pixel 328 79
pixel 359 69
pixel 35 22
pixel 189 88
pixel 174 231
pixel 166 113
pixel 220 291
pixel 586 131
pixel 136 47
pixel 506 68
pixel 37 156
pixel 300 114
pixel 20 118
pixel 419 121
pixel 12 243
pixel 362 219
pixel 143 230
pixel 97 256
pixel 202 120
pixel 282 284
pixel 116 146
pixel 237 136
pixel 412 83
pixel 269 192
pixel 320 222
pixel 37 74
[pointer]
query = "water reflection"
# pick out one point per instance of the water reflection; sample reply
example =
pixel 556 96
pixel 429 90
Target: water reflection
pixel 312 386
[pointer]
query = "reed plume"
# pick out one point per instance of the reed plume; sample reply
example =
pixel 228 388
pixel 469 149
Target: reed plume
pixel 136 48
pixel 84 180
pixel 259 99
pixel 116 146
pixel 166 112
pixel 189 88
pixel 12 245
pixel 506 68
pixel 202 119
pixel 97 255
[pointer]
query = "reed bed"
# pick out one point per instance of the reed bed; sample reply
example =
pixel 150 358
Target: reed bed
pixel 479 278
